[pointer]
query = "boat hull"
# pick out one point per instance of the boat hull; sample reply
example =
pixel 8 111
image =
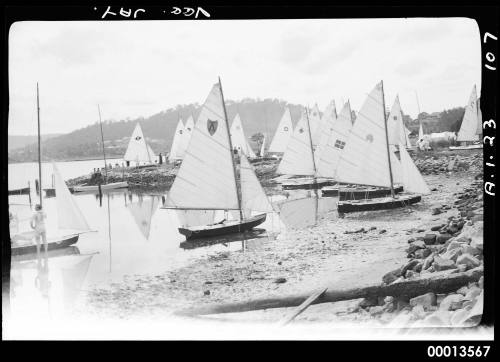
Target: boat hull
pixel 23 191
pixel 306 184
pixel 31 249
pixel 104 187
pixel 470 147
pixel 359 194
pixel 377 204
pixel 222 229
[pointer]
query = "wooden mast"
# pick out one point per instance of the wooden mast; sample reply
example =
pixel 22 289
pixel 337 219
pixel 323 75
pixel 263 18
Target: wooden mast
pixel 39 148
pixel 231 152
pixel 103 149
pixel 311 144
pixel 387 139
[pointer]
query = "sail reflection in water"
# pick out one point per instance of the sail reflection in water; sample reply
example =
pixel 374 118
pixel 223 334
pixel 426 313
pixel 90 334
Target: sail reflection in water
pixel 304 212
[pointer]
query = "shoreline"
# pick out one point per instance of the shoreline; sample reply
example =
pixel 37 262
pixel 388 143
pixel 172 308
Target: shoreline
pixel 328 254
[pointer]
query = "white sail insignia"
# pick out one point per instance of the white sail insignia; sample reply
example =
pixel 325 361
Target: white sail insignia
pixel 206 178
pixel 398 133
pixel 188 131
pixel 253 197
pixel 364 159
pixel 298 158
pixel 468 129
pixel 138 150
pixel 69 215
pixel 329 153
pixel 283 133
pixel 412 179
pixel 238 138
pixel 178 143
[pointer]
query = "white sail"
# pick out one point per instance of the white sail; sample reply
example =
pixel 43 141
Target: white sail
pixel 206 178
pixel 364 159
pixel 396 128
pixel 178 145
pixel 315 124
pixel 326 128
pixel 412 179
pixel 283 133
pixel 195 217
pixel 468 129
pixel 479 130
pixel 253 197
pixel 69 215
pixel 396 168
pixel 151 154
pixel 188 131
pixel 143 212
pixel 238 138
pixel 137 150
pixel 298 157
pixel 263 147
pixel 330 153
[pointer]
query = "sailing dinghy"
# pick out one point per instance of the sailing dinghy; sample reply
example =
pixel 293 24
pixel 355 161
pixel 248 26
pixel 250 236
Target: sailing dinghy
pixel 238 138
pixel 138 150
pixel 368 159
pixel 471 127
pixel 298 160
pixel 70 221
pixel 207 178
pixel 398 133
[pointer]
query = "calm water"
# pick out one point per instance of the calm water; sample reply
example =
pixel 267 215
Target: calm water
pixel 133 236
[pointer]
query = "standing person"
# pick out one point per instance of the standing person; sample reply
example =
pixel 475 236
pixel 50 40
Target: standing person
pixel 38 224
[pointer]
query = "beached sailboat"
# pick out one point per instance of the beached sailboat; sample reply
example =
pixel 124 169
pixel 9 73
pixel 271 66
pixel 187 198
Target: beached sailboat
pixel 238 138
pixel 208 180
pixel 106 185
pixel 471 127
pixel 283 133
pixel 298 159
pixel 138 150
pixel 178 145
pixel 367 158
pixel 70 223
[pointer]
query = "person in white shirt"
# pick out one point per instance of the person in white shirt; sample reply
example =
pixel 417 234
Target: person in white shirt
pixel 37 223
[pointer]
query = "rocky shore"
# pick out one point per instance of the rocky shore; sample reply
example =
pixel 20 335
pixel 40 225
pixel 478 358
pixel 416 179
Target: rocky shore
pixel 439 237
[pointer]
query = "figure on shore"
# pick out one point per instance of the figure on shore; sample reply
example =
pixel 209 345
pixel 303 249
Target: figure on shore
pixel 37 223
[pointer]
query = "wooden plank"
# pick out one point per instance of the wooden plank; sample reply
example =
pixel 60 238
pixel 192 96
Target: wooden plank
pixel 438 283
pixel 303 306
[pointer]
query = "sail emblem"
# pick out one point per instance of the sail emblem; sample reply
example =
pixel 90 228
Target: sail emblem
pixel 180 131
pixel 189 128
pixel 369 138
pixel 138 138
pixel 301 130
pixel 211 126
pixel 285 129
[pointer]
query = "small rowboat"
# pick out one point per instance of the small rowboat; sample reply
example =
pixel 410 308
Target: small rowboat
pixel 355 193
pixel 224 239
pixel 60 243
pixel 223 228
pixel 23 191
pixel 384 203
pixel 95 188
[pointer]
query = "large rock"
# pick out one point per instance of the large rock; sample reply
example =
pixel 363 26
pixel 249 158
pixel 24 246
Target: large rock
pixel 428 262
pixel 452 254
pixel 410 265
pixel 449 300
pixel 419 244
pixel 430 239
pixel 391 276
pixel 442 238
pixel 441 264
pixel 425 300
pixel 468 260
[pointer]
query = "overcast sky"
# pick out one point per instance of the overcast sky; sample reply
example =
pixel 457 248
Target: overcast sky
pixel 140 68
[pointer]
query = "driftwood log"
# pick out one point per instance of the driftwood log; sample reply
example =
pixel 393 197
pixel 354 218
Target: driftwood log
pixel 438 282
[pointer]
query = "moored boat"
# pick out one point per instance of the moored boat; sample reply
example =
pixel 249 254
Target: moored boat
pixel 222 228
pixel 374 204
pixel 61 243
pixel 306 183
pixel 21 191
pixel 95 188
pixel 355 193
